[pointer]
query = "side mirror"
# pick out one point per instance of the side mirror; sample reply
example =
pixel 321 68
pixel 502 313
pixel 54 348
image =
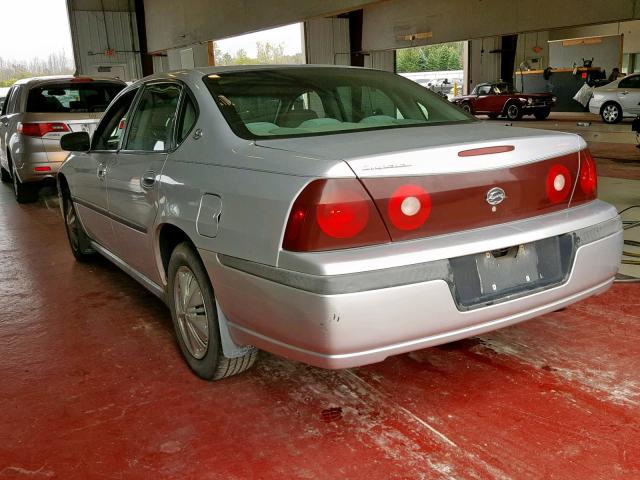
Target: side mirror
pixel 76 142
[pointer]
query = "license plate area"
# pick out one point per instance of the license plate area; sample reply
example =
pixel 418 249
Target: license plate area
pixel 491 277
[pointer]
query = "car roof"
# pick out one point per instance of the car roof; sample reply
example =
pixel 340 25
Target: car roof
pixel 201 72
pixel 35 81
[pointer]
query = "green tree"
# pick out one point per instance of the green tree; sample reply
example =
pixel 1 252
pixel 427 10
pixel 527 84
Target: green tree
pixel 446 56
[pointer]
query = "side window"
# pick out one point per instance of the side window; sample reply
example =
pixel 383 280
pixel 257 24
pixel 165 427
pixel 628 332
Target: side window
pixel 5 105
pixel 111 128
pixel 630 82
pixel 152 124
pixel 14 100
pixel 187 119
pixel 484 90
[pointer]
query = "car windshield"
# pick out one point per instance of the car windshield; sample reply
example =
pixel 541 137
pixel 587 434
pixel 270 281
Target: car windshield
pixel 288 102
pixel 504 88
pixel 70 97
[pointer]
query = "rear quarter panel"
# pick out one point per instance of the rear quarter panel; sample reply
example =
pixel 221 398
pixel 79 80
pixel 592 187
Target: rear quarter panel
pixel 257 186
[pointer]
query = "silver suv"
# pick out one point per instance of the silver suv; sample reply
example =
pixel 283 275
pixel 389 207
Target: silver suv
pixel 36 113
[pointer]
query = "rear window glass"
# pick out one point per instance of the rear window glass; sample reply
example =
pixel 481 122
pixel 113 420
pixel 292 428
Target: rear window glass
pixel 72 97
pixel 288 102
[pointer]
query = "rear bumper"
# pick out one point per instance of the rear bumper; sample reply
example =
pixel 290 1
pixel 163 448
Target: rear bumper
pixel 309 321
pixel 35 154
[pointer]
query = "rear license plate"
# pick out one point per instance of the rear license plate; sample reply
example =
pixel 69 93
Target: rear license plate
pixel 490 277
pixel 502 270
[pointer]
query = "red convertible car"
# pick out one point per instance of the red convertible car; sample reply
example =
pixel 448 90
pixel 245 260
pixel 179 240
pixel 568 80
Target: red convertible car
pixel 496 99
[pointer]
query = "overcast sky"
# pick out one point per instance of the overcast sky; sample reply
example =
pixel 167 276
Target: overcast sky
pixel 290 35
pixel 33 28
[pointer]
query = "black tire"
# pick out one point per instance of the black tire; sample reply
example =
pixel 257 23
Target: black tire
pixel 24 192
pixel 542 114
pixel 492 116
pixel 205 359
pixel 466 106
pixel 611 113
pixel 513 111
pixel 79 241
pixel 5 176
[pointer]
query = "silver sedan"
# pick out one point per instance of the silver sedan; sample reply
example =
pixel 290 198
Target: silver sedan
pixel 331 215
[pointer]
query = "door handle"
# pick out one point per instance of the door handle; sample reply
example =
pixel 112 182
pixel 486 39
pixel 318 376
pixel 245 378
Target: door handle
pixel 101 172
pixel 148 179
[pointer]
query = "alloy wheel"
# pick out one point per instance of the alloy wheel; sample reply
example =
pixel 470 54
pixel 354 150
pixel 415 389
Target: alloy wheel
pixel 191 312
pixel 72 226
pixel 610 113
pixel 512 111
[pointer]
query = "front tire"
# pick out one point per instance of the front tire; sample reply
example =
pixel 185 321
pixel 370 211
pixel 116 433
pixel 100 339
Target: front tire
pixel 514 112
pixel 466 106
pixel 611 113
pixel 195 318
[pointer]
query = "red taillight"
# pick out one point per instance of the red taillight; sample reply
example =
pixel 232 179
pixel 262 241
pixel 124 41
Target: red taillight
pixel 587 187
pixel 41 129
pixel 409 207
pixel 588 174
pixel 332 214
pixel 559 183
pixel 42 169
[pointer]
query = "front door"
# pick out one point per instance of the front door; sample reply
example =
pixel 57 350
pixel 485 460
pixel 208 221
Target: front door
pixel 133 176
pixel 482 102
pixel 629 94
pixel 90 172
pixel 8 117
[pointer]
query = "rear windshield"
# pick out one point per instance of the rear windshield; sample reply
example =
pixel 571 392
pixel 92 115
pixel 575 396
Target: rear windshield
pixel 72 97
pixel 288 102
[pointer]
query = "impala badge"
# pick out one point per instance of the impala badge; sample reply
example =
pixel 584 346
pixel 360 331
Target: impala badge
pixel 495 196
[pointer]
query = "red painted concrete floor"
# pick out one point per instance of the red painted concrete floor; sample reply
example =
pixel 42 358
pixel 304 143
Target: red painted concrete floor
pixel 93 386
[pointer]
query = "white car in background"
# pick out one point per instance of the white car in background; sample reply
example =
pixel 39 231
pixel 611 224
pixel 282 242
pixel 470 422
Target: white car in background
pixel 617 100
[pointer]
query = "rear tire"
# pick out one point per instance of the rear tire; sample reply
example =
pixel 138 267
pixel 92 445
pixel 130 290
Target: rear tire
pixel 5 176
pixel 541 114
pixel 24 192
pixel 78 239
pixel 195 318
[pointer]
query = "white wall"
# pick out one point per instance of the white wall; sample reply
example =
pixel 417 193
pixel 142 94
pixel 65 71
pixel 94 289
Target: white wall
pixel 172 24
pixel 385 23
pixel 606 54
pixel 484 67
pixel 327 41
pixel 525 50
pixel 95 31
pixel 630 30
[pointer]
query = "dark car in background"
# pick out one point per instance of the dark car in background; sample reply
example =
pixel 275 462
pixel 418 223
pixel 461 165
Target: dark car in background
pixel 501 99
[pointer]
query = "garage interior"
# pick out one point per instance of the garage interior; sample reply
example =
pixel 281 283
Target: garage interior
pixel 93 382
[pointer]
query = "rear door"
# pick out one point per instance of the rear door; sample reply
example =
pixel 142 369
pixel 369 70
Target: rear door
pixel 89 180
pixel 133 175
